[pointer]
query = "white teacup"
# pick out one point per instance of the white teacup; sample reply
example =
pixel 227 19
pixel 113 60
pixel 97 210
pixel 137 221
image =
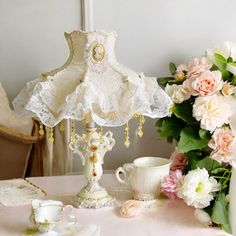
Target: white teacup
pixel 46 215
pixel 144 176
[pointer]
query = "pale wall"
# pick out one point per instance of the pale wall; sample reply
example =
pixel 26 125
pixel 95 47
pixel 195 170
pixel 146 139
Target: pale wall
pixel 151 33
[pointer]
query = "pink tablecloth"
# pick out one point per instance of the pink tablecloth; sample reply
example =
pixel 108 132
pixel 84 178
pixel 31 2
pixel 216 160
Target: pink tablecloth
pixel 172 218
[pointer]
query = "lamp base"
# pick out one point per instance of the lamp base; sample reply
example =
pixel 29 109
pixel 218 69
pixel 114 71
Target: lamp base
pixel 93 196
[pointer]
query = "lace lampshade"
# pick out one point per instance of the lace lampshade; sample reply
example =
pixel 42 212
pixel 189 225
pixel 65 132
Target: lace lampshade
pixel 92 87
pixel 92 82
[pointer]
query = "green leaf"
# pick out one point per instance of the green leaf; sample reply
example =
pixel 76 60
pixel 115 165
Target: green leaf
pixel 184 112
pixel 226 75
pixel 208 163
pixel 193 158
pixel 163 81
pixel 170 127
pixel 234 80
pixel 172 68
pixel 220 213
pixel 204 133
pixel 219 61
pixel 190 139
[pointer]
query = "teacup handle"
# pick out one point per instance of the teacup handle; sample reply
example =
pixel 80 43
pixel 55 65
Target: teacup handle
pixel 66 212
pixel 125 171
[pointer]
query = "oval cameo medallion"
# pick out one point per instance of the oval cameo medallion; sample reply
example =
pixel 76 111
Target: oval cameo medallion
pixel 97 52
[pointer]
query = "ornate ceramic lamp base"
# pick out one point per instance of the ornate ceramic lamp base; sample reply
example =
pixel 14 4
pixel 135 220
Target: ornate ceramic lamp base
pixel 93 196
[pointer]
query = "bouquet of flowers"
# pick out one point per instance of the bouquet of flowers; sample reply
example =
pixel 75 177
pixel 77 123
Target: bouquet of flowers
pixel 203 128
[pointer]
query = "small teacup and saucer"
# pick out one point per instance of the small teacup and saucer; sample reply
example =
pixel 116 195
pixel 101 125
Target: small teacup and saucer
pixel 48 215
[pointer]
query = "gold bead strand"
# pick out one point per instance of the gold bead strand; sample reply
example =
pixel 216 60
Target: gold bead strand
pixel 100 133
pixel 141 122
pixel 51 138
pixel 127 141
pixel 41 129
pixel 72 132
pixel 62 126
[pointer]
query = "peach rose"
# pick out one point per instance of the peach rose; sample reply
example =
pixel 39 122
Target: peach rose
pixel 197 67
pixel 222 143
pixel 208 83
pixel 222 139
pixel 131 208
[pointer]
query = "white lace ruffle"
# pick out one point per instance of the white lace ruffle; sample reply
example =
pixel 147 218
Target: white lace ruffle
pixel 107 89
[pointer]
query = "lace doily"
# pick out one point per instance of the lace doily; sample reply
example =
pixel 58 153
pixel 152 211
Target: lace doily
pixel 18 192
pixel 92 81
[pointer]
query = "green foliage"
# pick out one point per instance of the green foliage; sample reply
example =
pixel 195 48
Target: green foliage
pixel 190 139
pixel 219 61
pixel 163 81
pixel 219 170
pixel 220 213
pixel 170 127
pixel 193 158
pixel 234 80
pixel 208 163
pixel 184 112
pixel 172 68
pixel 204 133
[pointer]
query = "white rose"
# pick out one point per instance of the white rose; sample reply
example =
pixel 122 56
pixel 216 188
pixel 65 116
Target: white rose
pixel 226 49
pixel 197 188
pixel 177 93
pixel 212 111
pixel 223 49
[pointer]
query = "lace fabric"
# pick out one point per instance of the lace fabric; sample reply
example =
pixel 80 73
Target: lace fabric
pixel 19 192
pixel 92 81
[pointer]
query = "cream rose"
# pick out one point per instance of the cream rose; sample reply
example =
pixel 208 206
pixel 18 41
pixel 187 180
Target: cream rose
pixel 228 89
pixel 208 83
pixel 131 208
pixel 212 111
pixel 177 93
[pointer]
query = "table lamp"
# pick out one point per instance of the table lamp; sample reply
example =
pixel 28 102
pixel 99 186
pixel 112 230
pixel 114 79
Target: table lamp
pixel 94 88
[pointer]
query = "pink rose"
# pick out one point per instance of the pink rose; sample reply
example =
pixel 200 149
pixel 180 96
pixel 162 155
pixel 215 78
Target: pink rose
pixel 222 143
pixel 131 208
pixel 197 67
pixel 228 89
pixel 179 160
pixel 208 83
pixel 171 184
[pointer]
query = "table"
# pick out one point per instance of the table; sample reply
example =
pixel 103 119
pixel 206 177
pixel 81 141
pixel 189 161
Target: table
pixel 170 218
